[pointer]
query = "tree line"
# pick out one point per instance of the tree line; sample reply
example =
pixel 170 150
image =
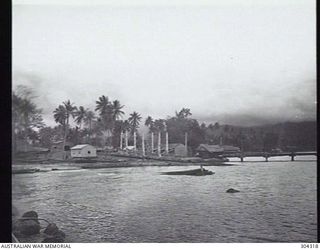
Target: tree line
pixel 102 127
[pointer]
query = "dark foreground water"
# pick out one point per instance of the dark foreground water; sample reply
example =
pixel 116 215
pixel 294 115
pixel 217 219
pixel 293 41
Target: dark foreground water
pixel 277 203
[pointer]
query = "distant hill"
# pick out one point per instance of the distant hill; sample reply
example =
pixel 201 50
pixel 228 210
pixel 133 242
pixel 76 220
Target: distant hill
pixel 286 136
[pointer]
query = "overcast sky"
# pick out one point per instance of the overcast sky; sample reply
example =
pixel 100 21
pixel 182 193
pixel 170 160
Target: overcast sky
pixel 235 62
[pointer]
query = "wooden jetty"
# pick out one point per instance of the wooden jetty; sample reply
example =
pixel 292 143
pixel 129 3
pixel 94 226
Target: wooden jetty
pixel 267 155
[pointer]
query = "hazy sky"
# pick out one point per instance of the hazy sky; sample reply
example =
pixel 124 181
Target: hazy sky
pixel 235 62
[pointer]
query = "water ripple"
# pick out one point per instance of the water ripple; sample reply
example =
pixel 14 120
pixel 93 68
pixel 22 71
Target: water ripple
pixel 276 203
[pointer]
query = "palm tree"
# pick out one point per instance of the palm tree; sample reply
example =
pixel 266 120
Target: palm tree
pixel 160 125
pixel 102 105
pixel 80 115
pixel 88 119
pixel 60 115
pixel 134 121
pixel 116 110
pixel 70 110
pixel 105 109
pixel 149 123
pixel 126 125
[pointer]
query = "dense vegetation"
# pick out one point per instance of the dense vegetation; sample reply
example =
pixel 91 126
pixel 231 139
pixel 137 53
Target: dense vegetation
pixel 102 127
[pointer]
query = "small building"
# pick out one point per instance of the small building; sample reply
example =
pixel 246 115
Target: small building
pixel 83 151
pixel 230 149
pixel 211 151
pixel 58 146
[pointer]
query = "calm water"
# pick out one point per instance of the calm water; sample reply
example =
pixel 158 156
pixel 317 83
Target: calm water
pixel 277 203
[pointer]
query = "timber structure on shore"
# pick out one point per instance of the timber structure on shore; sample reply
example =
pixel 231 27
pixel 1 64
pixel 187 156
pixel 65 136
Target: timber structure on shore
pixel 267 155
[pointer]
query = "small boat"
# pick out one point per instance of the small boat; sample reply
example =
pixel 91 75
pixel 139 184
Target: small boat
pixel 196 172
pixel 25 171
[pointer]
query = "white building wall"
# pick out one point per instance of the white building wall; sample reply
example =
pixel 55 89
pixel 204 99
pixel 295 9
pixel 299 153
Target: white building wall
pixel 84 152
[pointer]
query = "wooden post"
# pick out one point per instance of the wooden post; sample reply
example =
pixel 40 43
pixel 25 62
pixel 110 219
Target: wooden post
pixel 121 140
pixel 152 143
pixel 135 140
pixel 186 140
pixel 167 143
pixel 159 144
pixel 143 149
pixel 292 156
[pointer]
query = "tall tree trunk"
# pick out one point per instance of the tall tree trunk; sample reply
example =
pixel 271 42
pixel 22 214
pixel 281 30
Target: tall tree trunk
pixel 65 135
pixel 152 143
pixel 167 143
pixel 159 144
pixel 90 129
pixel 126 138
pixel 143 149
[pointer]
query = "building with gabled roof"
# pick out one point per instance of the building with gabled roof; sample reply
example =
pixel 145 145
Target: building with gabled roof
pixel 210 151
pixel 83 151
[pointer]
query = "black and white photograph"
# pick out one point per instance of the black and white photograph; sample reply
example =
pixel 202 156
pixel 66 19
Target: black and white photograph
pixel 164 121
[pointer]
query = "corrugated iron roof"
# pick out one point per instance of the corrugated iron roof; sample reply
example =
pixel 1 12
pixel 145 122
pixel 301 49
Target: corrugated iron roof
pixel 210 148
pixel 217 148
pixel 80 146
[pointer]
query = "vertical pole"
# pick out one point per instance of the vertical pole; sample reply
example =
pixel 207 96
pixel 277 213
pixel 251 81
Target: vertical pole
pixel 186 141
pixel 126 138
pixel 121 140
pixel 152 143
pixel 143 149
pixel 167 143
pixel 135 140
pixel 159 144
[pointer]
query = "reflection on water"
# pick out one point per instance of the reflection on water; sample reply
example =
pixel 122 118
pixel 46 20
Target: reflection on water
pixel 277 203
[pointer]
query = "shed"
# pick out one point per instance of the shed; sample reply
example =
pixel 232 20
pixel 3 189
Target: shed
pixel 208 151
pixel 58 146
pixel 83 151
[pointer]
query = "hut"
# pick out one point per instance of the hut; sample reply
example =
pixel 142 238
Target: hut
pixel 212 151
pixel 83 151
pixel 209 151
pixel 58 146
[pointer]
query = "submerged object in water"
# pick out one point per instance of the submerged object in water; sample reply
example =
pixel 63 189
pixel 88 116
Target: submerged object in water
pixel 231 190
pixel 195 172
